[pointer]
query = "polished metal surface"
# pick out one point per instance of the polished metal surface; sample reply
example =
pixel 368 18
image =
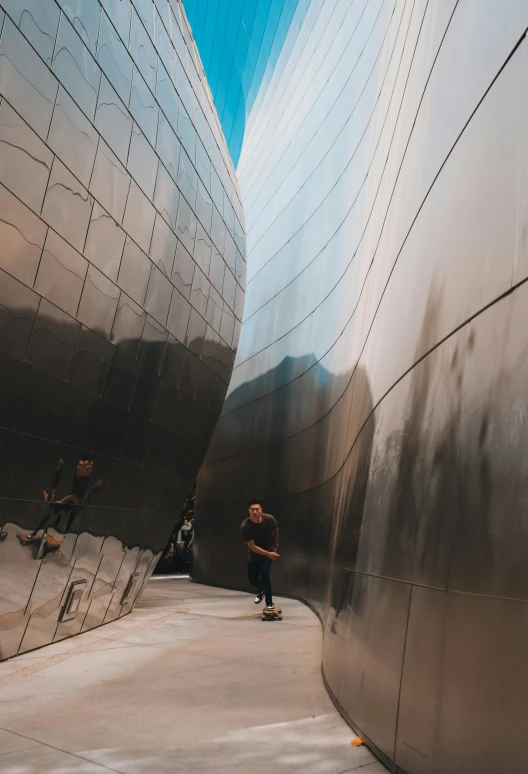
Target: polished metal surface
pixel 122 272
pixel 378 399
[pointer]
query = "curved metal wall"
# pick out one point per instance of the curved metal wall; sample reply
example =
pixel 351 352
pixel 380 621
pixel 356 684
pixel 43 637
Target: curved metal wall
pixel 121 287
pixel 239 42
pixel 378 400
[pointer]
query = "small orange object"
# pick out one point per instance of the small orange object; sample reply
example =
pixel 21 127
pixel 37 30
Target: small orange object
pixel 357 741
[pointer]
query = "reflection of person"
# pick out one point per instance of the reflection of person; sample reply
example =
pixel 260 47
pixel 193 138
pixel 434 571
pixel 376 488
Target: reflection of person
pixel 186 534
pixel 261 533
pixel 67 505
pixel 49 496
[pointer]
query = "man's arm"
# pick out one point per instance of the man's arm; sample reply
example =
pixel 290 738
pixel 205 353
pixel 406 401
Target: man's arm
pixel 257 550
pixel 275 535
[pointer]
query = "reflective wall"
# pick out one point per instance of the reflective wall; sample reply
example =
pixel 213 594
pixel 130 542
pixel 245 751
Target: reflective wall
pixel 379 398
pixel 121 288
pixel 239 43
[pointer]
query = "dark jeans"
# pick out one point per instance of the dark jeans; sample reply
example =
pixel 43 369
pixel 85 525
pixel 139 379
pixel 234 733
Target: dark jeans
pixel 259 576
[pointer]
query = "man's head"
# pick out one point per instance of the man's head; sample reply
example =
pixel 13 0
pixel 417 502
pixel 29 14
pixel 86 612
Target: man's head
pixel 255 510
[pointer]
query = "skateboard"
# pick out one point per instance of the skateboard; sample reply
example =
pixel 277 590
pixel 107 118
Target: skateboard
pixel 272 615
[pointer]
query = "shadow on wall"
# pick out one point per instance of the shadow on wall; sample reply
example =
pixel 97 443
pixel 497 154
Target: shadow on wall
pixel 323 535
pixel 399 484
pixel 425 503
pixel 306 532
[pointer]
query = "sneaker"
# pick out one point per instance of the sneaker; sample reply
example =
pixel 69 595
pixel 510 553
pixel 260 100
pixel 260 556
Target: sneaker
pixel 270 607
pixel 259 597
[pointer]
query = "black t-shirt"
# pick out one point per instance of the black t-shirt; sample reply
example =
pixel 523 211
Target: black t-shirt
pixel 261 533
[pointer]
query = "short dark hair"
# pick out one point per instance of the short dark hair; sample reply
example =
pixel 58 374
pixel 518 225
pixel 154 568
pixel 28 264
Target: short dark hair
pixel 255 502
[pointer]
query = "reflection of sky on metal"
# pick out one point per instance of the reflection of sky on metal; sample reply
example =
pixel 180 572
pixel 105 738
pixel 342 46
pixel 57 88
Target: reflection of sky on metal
pixel 304 174
pixel 312 120
pixel 240 42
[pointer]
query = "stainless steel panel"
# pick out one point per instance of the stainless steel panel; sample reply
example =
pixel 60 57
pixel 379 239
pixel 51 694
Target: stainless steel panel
pixel 179 314
pixel 52 343
pixel 84 569
pixel 92 471
pixel 15 377
pixel 202 249
pixel 166 197
pixel 187 178
pixel 17 583
pixel 25 161
pixel 128 566
pixel 102 590
pixel 85 20
pixel 144 107
pixel 213 313
pixel 128 325
pixel 200 291
pixel 104 242
pixel 91 361
pixel 183 270
pixel 489 530
pixel 61 273
pixel 142 162
pixel 44 603
pixel 76 69
pixel 30 88
pixel 121 378
pixel 113 57
pixel 23 235
pixel 414 438
pixel 153 346
pixel 119 12
pixel 186 131
pixel 196 333
pixel 32 470
pixel 72 137
pixel 38 20
pixel 168 145
pixel 82 419
pixel 367 623
pixel 456 681
pixel 139 217
pixel 204 206
pixel 186 225
pixel 163 246
pixel 98 303
pixel 113 121
pixel 44 405
pixel 378 396
pixel 67 206
pixel 158 296
pixel 142 51
pixel 110 182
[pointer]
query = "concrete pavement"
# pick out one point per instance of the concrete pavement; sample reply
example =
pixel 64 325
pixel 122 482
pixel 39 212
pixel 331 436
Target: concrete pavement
pixel 191 681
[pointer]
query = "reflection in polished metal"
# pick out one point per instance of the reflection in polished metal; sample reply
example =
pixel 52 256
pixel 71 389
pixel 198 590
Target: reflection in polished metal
pixel 73 600
pixel 112 372
pixel 378 400
pixel 249 37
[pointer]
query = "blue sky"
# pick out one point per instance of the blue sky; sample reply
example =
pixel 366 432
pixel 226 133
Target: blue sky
pixel 239 43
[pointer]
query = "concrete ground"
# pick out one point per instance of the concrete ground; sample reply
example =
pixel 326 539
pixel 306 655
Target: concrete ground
pixel 191 681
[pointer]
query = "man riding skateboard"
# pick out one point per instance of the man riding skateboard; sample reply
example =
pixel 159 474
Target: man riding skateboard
pixel 261 533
